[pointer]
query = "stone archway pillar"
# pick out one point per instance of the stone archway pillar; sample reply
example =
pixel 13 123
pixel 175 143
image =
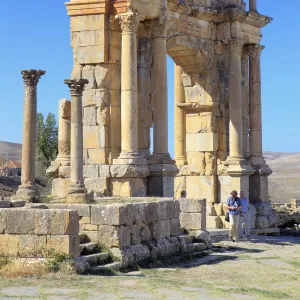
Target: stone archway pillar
pixel 27 190
pixel 76 190
pixel 179 118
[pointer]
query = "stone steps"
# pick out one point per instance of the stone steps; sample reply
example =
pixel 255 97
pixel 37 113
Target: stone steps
pixel 97 259
pixel 111 267
pixel 88 248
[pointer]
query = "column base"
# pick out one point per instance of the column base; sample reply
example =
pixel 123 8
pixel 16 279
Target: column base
pixel 257 161
pixel 28 193
pixel 76 193
pixel 180 161
pixel 238 166
pixel 160 158
pixel 129 159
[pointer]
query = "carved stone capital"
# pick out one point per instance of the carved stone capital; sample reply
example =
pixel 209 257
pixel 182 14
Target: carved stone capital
pixel 255 50
pixel 31 77
pixel 76 86
pixel 129 21
pixel 235 46
pixel 159 28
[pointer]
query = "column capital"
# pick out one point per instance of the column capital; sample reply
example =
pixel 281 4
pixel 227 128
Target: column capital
pixel 76 86
pixel 159 27
pixel 254 50
pixel 31 77
pixel 129 21
pixel 235 46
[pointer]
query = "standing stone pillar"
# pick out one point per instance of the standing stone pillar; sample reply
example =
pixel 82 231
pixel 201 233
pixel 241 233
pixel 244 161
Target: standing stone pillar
pixel 238 167
pixel 27 190
pixel 256 156
pixel 160 92
pixel 129 91
pixel 76 191
pixel 64 133
pixel 253 6
pixel 162 167
pixel 179 118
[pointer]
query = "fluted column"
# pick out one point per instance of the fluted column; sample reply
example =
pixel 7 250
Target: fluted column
pixel 160 91
pixel 253 6
pixel 129 90
pixel 235 102
pixel 76 191
pixel 27 190
pixel 64 132
pixel 179 118
pixel 256 156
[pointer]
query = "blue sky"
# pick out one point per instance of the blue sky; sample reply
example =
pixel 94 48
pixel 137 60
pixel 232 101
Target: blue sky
pixel 35 34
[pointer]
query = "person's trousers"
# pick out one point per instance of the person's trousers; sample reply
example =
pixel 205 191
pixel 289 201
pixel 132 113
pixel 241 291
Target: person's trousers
pixel 244 225
pixel 234 226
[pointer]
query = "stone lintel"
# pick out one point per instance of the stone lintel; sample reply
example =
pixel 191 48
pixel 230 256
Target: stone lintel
pixel 129 171
pixel 92 7
pixel 197 107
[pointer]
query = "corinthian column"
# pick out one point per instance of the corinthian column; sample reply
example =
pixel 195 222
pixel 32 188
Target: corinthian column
pixel 256 156
pixel 76 192
pixel 27 190
pixel 160 91
pixel 179 118
pixel 235 102
pixel 129 90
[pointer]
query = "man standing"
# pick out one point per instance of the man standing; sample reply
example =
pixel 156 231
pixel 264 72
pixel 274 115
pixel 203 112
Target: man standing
pixel 244 217
pixel 233 204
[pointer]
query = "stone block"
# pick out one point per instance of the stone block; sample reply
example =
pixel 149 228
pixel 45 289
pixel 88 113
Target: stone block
pixel 140 253
pixel 60 187
pixel 90 171
pixel 219 209
pixel 89 116
pixel 91 137
pixel 145 233
pixel 5 204
pixel 124 236
pixel 177 208
pixel 32 246
pixel 162 210
pixel 109 235
pixel 171 209
pixel 174 227
pixel 21 221
pixel 263 208
pixel 83 210
pixel 262 222
pixel 97 156
pixel 295 202
pixel 179 185
pixel 196 162
pixel 128 187
pixel 9 245
pixel 151 212
pixel 108 215
pixel 96 185
pixel 2 221
pixel 92 236
pixel 193 221
pixel 272 220
pixel 128 171
pixel 135 213
pixel 84 220
pixel 94 97
pixel 88 22
pixel 158 229
pixel 88 227
pixel 135 231
pixel 204 142
pixel 193 205
pixel 88 72
pixel 65 244
pixel 56 222
pixel 214 222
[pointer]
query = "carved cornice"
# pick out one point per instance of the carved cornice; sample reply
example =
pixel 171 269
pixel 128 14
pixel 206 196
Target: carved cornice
pixel 31 77
pixel 76 86
pixel 90 7
pixel 196 107
pixel 129 21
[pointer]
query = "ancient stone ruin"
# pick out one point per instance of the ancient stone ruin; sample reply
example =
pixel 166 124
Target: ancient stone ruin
pixel 119 93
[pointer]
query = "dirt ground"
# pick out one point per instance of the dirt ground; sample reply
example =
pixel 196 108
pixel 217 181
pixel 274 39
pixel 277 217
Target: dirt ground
pixel 262 268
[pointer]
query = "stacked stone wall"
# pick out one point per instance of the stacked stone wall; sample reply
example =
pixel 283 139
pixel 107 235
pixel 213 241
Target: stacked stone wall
pixel 37 233
pixel 287 214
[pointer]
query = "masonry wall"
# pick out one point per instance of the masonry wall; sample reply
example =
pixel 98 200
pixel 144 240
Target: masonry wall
pixel 36 233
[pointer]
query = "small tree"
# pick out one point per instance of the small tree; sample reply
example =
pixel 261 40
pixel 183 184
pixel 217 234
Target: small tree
pixel 47 148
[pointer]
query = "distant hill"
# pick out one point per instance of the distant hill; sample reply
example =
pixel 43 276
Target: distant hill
pixel 14 150
pixel 284 183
